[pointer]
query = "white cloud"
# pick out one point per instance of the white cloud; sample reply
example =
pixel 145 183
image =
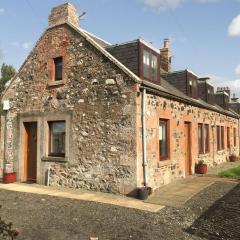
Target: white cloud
pixel 171 4
pixel 234 27
pixel 2 11
pixel 236 84
pixel 164 4
pixel 237 69
pixel 25 45
pixel 219 81
pixel 207 1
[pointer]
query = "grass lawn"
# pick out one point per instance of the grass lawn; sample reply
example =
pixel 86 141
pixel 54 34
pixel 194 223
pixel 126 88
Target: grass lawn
pixel 231 173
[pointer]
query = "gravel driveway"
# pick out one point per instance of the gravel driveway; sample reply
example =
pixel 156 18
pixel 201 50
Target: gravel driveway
pixel 214 213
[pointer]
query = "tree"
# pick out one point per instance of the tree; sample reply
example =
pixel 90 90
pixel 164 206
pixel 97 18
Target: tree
pixel 7 72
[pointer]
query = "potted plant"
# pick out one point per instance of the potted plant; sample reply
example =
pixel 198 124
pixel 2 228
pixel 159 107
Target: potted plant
pixel 144 192
pixel 9 175
pixel 233 157
pixel 201 167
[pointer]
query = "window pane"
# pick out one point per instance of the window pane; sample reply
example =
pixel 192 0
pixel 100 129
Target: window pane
pixel 57 138
pixel 206 138
pixel 146 63
pixel 228 137
pixel 218 138
pixel 163 139
pixel 235 137
pixel 200 138
pixel 222 137
pixel 154 67
pixel 58 68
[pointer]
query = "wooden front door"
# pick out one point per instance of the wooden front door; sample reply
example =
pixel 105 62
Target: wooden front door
pixel 187 146
pixel 30 152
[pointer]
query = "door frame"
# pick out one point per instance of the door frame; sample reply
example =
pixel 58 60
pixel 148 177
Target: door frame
pixel 21 151
pixel 26 148
pixel 190 148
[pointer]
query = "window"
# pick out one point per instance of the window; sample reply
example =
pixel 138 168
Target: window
pixel 220 138
pixel 58 64
pixel 235 137
pixel 200 138
pixel 190 87
pixel 146 63
pixel 228 137
pixel 150 65
pixel 163 139
pixel 203 138
pixel 206 138
pixel 57 138
pixel 154 68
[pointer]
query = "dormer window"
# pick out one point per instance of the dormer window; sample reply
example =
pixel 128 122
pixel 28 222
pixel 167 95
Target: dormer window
pixel 58 65
pixel 190 87
pixel 154 67
pixel 150 65
pixel 146 63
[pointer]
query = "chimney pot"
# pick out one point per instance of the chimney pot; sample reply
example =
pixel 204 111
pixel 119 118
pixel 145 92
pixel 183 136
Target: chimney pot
pixel 166 43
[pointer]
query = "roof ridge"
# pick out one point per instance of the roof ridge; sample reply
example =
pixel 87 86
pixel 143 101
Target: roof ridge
pixel 95 36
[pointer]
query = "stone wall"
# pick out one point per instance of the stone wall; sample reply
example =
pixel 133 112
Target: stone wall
pixel 102 110
pixel 161 172
pixel 101 102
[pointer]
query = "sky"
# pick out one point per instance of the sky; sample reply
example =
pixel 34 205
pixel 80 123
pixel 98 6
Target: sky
pixel 204 34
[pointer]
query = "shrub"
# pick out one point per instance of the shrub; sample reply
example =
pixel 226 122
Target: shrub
pixel 6 230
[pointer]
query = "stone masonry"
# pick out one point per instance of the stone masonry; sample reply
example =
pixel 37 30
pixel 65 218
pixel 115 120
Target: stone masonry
pixel 163 172
pixel 100 101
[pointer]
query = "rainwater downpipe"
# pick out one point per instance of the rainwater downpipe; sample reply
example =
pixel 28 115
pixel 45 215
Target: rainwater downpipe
pixel 144 140
pixel 6 108
pixel 5 143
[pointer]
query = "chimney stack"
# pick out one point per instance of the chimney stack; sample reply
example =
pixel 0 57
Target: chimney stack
pixel 65 13
pixel 222 97
pixel 166 43
pixel 234 99
pixel 165 56
pixel 224 89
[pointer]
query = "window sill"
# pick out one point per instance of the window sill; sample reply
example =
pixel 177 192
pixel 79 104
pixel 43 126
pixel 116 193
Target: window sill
pixel 163 163
pixel 220 151
pixel 55 159
pixel 56 83
pixel 203 154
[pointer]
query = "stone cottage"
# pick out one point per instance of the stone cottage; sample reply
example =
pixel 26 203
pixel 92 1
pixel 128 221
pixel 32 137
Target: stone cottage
pixel 88 114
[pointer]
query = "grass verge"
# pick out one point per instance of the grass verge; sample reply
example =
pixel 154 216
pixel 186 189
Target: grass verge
pixel 231 173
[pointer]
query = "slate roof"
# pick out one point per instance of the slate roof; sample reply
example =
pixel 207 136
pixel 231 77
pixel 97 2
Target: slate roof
pixel 165 89
pixel 100 41
pixel 169 91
